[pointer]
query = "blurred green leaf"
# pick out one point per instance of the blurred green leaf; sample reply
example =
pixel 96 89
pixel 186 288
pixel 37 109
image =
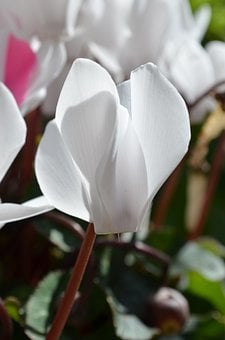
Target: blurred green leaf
pixel 212 245
pixel 207 327
pixel 63 238
pixel 129 281
pixel 128 326
pixel 212 291
pixel 194 258
pixel 216 28
pixel 39 308
pixel 12 306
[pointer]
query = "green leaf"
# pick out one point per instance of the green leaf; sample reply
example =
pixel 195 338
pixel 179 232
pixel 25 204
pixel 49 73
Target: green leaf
pixel 129 281
pixel 128 326
pixel 193 257
pixel 208 327
pixel 212 291
pixel 213 245
pixel 12 306
pixel 39 308
pixel 63 238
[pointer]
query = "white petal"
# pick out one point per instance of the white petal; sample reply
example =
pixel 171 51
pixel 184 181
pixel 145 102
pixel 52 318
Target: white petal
pixel 85 79
pixel 12 130
pixel 58 177
pixel 202 19
pixel 49 105
pixel 216 51
pixel 123 187
pixel 51 60
pixel 125 94
pixel 3 50
pixel 10 212
pixel 88 130
pixel 188 66
pixel 161 121
pixel 149 22
pixel 47 19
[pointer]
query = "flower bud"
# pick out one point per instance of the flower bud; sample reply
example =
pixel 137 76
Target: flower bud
pixel 167 310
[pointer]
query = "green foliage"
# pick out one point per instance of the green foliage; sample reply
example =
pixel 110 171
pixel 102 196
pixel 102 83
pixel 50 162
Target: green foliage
pixel 216 29
pixel 63 238
pixel 128 326
pixel 40 307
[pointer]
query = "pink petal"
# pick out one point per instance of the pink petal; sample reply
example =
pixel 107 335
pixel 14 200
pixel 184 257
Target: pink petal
pixel 20 66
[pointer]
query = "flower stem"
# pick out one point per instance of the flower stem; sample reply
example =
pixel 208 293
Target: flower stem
pixel 73 285
pixel 213 180
pixel 66 222
pixel 209 91
pixel 138 247
pixel 163 204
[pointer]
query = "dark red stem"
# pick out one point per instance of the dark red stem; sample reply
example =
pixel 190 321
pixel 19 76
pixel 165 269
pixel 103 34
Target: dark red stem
pixel 213 181
pixel 73 285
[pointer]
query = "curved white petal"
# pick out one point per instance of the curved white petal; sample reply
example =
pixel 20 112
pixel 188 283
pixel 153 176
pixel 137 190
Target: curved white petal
pixel 161 121
pixel 216 51
pixel 60 180
pixel 51 59
pixel 123 186
pixel 149 23
pixel 202 19
pixel 10 212
pixel 49 104
pixel 85 79
pixel 12 130
pixel 125 94
pixel 88 129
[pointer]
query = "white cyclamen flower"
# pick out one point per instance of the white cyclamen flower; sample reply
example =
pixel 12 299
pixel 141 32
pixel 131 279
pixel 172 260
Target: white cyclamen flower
pixel 12 138
pixel 102 158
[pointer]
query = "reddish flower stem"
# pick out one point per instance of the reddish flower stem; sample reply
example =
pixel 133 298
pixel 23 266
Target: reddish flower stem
pixel 65 222
pixel 138 247
pixel 165 198
pixel 209 91
pixel 213 181
pixel 33 120
pixel 73 285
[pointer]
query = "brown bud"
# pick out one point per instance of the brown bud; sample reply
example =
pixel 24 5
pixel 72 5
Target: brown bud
pixel 167 310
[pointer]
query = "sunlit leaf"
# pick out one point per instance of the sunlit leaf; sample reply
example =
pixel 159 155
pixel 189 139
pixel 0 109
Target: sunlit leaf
pixel 39 308
pixel 128 326
pixel 192 257
pixel 63 238
pixel 12 306
pixel 212 291
pixel 213 246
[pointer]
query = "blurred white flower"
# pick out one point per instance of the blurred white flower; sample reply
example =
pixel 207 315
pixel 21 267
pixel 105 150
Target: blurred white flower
pixel 121 35
pixel 12 138
pixel 193 70
pixel 44 25
pixel 103 157
pixel 216 52
pixel 27 71
pixel 186 63
pixel 152 23
pixel 46 20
